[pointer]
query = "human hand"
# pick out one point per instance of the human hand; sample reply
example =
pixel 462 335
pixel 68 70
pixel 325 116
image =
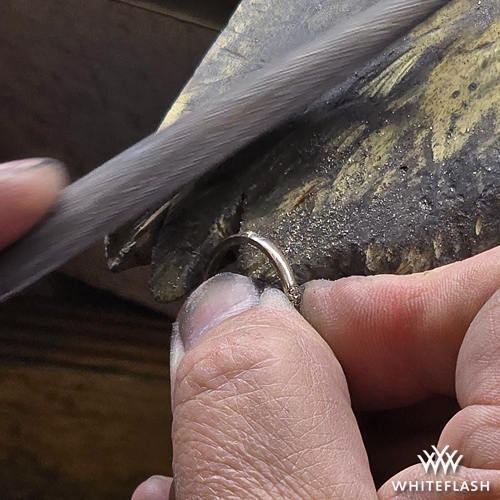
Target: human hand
pixel 28 188
pixel 262 406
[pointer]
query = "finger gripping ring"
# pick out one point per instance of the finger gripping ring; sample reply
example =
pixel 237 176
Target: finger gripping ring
pixel 273 253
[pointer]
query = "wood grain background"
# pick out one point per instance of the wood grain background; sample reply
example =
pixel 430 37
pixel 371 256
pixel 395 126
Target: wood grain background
pixel 84 399
pixel 84 387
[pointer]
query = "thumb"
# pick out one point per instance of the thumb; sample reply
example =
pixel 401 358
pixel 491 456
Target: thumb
pixel 261 406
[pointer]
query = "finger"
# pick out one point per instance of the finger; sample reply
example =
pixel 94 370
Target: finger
pixel 155 488
pixel 475 430
pixel 261 407
pixel 28 188
pixel 398 337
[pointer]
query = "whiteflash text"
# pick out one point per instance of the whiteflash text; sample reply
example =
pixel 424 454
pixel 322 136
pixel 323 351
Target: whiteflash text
pixel 459 486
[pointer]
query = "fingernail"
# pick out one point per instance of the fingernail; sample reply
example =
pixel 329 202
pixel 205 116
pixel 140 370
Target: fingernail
pixel 318 285
pixel 272 298
pixel 217 299
pixel 160 479
pixel 154 488
pixel 20 166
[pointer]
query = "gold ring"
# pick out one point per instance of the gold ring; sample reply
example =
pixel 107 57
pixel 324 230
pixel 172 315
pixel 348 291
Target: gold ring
pixel 273 253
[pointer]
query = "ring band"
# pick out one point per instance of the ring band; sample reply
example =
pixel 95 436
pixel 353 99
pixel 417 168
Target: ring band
pixel 272 252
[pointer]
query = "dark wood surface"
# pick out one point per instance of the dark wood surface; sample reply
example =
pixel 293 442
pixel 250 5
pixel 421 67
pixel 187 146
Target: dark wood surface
pixel 84 399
